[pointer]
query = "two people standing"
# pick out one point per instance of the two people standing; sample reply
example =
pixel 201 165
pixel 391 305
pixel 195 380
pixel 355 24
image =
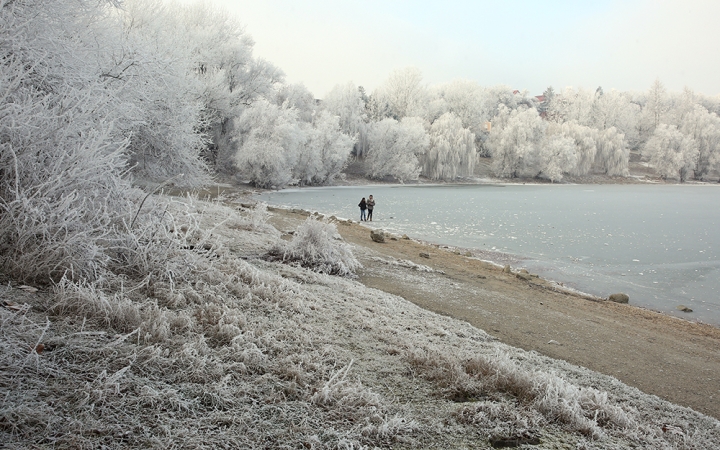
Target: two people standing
pixel 366 205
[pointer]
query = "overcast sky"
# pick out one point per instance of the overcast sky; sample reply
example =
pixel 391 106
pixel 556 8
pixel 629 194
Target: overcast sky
pixel 530 45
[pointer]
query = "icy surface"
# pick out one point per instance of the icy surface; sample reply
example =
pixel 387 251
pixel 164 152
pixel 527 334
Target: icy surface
pixel 658 244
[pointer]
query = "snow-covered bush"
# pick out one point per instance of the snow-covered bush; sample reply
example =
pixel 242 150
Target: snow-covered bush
pixel 578 408
pixel 258 217
pixel 317 245
pixel 162 246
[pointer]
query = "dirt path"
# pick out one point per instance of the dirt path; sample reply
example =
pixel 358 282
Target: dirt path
pixel 676 360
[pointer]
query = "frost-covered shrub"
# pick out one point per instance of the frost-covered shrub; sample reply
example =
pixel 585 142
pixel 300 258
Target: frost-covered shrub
pixel 164 245
pixel 317 245
pixel 61 190
pixel 258 217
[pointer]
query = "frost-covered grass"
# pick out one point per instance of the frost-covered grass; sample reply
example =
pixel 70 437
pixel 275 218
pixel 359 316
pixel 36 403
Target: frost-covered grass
pixel 213 346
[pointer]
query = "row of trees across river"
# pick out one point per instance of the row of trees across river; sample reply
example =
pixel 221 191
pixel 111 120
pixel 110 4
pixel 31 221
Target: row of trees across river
pixel 159 89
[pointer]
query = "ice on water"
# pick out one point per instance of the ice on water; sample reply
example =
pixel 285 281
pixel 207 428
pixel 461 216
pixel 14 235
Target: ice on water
pixel 658 244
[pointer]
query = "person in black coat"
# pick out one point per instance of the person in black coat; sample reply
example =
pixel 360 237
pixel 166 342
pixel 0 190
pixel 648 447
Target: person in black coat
pixel 363 207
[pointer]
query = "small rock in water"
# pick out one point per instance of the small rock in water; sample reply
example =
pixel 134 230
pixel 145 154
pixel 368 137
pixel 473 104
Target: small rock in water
pixel 684 308
pixel 619 298
pixel 405 236
pixel 506 269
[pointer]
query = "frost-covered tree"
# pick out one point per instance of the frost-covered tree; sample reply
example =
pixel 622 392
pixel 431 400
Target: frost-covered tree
pixel 497 96
pixel 556 156
pixel 156 72
pixel 297 96
pixel 612 156
pixel 657 103
pixel 269 140
pixel 200 57
pixel 401 95
pixel 614 109
pixel 452 150
pixel 347 102
pixel 585 141
pixel 704 128
pixel 671 153
pixel 324 153
pixel 572 105
pixel 515 140
pixel 395 148
pixel 467 100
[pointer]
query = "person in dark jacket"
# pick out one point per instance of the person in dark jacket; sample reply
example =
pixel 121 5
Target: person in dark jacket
pixel 363 207
pixel 370 205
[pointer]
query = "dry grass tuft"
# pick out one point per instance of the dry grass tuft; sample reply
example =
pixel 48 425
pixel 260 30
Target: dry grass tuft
pixel 317 245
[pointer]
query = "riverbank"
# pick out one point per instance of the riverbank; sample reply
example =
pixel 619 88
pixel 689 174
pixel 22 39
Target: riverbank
pixel 672 358
pixel 216 345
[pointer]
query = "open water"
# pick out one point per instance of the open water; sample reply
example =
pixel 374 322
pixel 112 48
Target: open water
pixel 660 244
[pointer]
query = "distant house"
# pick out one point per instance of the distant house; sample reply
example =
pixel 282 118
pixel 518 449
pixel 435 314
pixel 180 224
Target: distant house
pixel 542 106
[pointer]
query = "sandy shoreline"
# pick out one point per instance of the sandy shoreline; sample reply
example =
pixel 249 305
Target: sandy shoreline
pixel 674 359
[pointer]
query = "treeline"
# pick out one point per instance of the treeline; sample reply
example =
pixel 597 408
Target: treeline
pixel 406 129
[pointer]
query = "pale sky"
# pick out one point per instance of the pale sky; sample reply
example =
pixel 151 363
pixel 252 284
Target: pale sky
pixel 525 44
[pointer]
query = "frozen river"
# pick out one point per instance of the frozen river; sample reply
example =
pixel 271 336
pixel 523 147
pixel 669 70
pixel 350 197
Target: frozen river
pixel 660 244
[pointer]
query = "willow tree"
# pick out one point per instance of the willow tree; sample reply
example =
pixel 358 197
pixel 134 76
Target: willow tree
pixel 452 150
